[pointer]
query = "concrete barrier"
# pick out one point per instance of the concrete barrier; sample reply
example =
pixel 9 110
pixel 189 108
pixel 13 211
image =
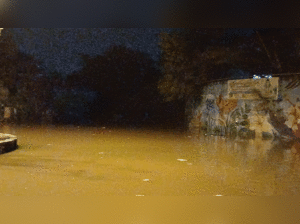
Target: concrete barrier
pixel 8 143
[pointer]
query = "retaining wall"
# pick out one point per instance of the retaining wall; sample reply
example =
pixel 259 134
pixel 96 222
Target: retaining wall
pixel 218 114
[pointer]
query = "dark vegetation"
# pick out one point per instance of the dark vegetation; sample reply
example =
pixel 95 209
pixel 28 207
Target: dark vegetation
pixel 125 87
pixel 117 88
pixel 124 83
pixel 191 58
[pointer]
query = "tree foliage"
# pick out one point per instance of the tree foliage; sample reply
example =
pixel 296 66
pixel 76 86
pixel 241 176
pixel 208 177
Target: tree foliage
pixel 19 73
pixel 192 58
pixel 189 59
pixel 269 51
pixel 125 80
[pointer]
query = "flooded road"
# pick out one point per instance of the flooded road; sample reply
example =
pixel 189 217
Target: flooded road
pixel 95 161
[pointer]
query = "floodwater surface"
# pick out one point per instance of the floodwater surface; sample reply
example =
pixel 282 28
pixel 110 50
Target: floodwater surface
pixel 101 161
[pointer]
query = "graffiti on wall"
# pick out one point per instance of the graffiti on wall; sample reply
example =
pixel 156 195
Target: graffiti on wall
pixel 293 120
pixel 243 88
pixel 220 114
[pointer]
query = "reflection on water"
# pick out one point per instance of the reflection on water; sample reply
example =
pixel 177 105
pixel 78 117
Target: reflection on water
pixel 77 160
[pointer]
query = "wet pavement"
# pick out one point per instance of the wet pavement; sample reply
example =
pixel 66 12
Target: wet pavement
pixel 102 161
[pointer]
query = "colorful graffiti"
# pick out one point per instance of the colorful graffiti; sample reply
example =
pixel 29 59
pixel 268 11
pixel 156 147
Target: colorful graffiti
pixel 293 120
pixel 225 106
pixel 219 114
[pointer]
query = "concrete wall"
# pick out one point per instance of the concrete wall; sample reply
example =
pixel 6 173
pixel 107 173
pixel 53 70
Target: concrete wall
pixel 216 114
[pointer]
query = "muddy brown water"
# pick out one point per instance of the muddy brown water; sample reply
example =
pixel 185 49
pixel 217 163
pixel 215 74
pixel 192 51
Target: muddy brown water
pixel 95 161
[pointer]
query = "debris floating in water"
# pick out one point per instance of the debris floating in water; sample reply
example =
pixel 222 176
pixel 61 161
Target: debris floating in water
pixel 218 195
pixel 146 180
pixel 49 144
pixel 182 160
pixel 101 152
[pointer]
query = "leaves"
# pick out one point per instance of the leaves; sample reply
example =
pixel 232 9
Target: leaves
pixel 19 74
pixel 125 80
pixel 187 62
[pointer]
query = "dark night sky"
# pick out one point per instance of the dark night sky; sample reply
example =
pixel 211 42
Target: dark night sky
pixel 58 49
